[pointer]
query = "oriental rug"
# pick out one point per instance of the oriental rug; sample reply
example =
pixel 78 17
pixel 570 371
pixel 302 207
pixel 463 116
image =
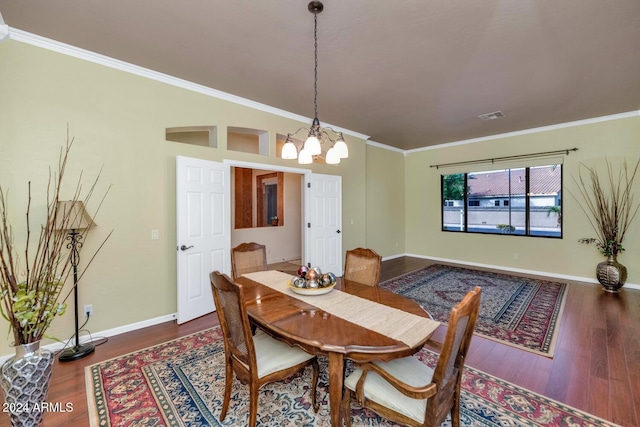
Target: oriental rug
pixel 518 311
pixel 181 383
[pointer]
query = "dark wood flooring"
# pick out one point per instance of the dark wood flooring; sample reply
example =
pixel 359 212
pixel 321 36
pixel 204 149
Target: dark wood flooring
pixel 596 367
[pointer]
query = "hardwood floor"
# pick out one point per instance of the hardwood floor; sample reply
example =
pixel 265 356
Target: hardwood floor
pixel 595 368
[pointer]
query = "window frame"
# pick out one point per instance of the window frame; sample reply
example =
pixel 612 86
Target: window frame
pixel 506 203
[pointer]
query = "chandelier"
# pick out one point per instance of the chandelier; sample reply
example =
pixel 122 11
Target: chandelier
pixel 316 135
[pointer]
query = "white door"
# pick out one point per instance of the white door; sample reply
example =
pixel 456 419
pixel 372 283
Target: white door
pixel 323 222
pixel 203 238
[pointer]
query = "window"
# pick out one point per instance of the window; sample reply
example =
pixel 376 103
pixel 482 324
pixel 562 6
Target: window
pixel 531 201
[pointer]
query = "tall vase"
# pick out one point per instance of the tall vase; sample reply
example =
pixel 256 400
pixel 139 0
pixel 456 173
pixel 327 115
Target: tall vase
pixel 25 383
pixel 611 274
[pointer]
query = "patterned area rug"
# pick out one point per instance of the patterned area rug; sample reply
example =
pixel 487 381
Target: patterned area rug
pixel 518 311
pixel 181 383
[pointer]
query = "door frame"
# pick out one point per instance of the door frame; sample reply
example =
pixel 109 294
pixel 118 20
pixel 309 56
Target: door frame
pixel 275 168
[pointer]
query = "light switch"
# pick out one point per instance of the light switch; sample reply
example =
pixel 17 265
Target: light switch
pixel 155 234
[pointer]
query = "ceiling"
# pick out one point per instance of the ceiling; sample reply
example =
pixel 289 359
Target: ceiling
pixel 409 74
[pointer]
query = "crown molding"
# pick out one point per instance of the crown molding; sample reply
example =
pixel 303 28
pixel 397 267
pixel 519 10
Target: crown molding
pixel 530 131
pixel 96 58
pixel 386 147
pixel 4 29
pixel 511 134
pixel 76 52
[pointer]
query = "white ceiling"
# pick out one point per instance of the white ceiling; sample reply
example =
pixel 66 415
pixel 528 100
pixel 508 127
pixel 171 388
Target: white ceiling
pixel 409 73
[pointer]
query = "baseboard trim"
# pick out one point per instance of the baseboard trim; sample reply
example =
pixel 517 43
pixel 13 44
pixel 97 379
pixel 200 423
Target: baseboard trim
pixel 514 270
pixel 157 320
pixel 107 333
pixel 386 258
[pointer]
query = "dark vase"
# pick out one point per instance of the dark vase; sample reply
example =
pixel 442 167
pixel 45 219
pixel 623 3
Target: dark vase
pixel 611 274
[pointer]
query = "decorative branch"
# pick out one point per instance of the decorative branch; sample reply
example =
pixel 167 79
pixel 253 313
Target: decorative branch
pixel 608 204
pixel 31 300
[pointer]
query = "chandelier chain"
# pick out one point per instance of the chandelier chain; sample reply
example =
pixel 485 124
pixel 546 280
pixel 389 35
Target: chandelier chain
pixel 311 149
pixel 315 67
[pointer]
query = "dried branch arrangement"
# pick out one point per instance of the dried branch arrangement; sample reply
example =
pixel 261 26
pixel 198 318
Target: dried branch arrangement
pixel 608 203
pixel 32 281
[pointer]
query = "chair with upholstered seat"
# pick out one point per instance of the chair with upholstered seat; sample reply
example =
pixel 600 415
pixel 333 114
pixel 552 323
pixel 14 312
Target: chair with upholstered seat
pixel 363 266
pixel 256 359
pixel 406 390
pixel 248 258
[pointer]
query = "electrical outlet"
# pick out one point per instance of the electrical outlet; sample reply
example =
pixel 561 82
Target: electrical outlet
pixel 88 310
pixel 516 256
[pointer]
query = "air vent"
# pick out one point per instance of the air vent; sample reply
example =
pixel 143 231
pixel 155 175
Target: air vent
pixel 491 116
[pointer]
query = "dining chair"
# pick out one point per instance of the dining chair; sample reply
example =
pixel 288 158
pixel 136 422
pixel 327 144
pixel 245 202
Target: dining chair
pixel 256 359
pixel 363 266
pixel 248 258
pixel 409 392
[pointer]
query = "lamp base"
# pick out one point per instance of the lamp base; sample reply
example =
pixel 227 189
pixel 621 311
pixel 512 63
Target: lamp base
pixel 76 352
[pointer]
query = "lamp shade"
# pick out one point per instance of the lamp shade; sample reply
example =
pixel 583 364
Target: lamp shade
pixel 332 157
pixel 289 150
pixel 312 145
pixel 305 158
pixel 71 215
pixel 341 148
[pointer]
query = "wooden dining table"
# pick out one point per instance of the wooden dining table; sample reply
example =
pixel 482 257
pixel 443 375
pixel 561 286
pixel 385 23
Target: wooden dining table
pixel 353 321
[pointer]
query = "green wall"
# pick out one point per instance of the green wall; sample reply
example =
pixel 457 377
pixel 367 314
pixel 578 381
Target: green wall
pixel 616 139
pixel 385 213
pixel 118 120
pixel 391 201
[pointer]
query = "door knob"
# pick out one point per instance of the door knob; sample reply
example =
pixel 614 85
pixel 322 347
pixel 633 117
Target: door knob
pixel 184 248
pixel 338 231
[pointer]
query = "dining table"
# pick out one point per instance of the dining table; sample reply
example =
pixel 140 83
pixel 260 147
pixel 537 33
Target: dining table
pixel 350 321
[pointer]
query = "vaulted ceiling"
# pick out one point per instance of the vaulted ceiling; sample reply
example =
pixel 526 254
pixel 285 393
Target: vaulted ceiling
pixel 409 73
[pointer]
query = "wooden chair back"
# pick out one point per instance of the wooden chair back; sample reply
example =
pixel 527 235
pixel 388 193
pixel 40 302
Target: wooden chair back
pixel 248 258
pixel 235 325
pixel 439 394
pixel 448 372
pixel 363 266
pixel 256 359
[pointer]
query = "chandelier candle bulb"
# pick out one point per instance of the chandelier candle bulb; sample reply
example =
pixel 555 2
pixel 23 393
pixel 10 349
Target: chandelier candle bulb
pixel 333 158
pixel 289 151
pixel 305 157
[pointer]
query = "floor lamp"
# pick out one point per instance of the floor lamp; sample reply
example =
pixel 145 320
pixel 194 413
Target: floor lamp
pixel 72 216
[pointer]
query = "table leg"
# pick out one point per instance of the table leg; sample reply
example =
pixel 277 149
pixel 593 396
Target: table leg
pixel 336 373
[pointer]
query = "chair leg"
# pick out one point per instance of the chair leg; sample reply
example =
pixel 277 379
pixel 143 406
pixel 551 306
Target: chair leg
pixel 314 385
pixel 455 410
pixel 253 404
pixel 345 407
pixel 228 381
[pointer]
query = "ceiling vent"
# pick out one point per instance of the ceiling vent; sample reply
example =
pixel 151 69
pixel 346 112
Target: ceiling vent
pixel 491 116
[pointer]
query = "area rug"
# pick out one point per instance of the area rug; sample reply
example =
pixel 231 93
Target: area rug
pixel 181 383
pixel 518 311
